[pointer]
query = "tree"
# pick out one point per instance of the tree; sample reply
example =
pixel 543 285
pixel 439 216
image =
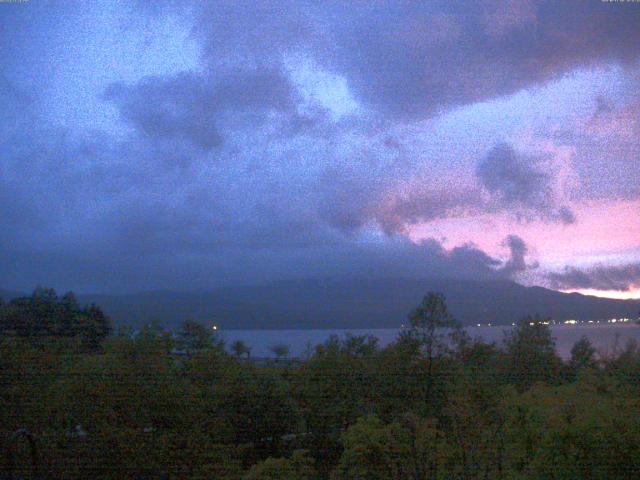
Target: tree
pixel 531 354
pixel 193 336
pixel 625 366
pixel 427 322
pixel 333 388
pixel 588 429
pixel 298 467
pixel 399 375
pixel 125 331
pixel 280 350
pixel 239 348
pixel 360 345
pixel 94 326
pixel 583 355
pixel 374 451
pixel 43 315
pixel 258 404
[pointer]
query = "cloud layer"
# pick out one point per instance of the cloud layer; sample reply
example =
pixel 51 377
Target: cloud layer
pixel 517 182
pixel 412 59
pixel 205 143
pixel 621 278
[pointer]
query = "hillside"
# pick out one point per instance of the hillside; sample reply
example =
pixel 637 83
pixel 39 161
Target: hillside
pixel 355 304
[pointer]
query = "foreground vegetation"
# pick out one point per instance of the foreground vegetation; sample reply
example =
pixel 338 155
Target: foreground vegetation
pixel 435 404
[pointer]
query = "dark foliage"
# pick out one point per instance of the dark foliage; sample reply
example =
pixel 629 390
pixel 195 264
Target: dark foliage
pixel 44 314
pixel 435 404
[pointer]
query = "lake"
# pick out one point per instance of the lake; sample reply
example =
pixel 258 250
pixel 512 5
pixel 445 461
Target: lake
pixel 605 337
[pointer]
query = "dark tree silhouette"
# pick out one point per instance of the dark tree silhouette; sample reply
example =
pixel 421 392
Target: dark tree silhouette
pixel 583 355
pixel 193 336
pixel 531 353
pixel 280 350
pixel 43 314
pixel 239 348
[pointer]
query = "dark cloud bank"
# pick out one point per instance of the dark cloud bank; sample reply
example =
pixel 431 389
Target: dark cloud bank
pixel 224 176
pixel 621 278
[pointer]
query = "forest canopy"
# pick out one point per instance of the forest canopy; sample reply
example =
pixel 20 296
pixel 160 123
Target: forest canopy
pixel 44 314
pixel 434 404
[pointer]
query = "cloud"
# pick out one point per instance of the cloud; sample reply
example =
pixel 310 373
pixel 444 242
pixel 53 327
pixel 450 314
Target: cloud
pixel 621 278
pixel 120 268
pixel 240 166
pixel 195 106
pixel 607 143
pixel 96 212
pixel 411 60
pixel 405 60
pixel 517 183
pixel 180 107
pixel 517 259
pixel 355 202
pixel 435 55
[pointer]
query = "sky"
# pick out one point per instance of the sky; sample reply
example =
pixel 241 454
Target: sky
pixel 191 145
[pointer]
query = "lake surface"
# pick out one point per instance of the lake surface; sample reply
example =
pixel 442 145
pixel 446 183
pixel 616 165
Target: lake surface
pixel 604 337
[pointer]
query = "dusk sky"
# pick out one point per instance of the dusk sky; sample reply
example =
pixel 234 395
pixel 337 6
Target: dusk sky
pixel 188 145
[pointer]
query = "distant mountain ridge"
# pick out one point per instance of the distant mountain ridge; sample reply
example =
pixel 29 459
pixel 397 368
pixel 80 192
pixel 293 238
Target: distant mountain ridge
pixel 353 304
pixel 9 294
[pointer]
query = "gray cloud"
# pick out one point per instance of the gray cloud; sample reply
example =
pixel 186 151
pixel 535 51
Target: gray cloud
pixel 383 186
pixel 226 176
pixel 408 59
pixel 517 183
pixel 193 106
pixel 517 259
pixel 621 278
pixel 412 59
pixel 91 218
pixel 607 144
pixel 119 269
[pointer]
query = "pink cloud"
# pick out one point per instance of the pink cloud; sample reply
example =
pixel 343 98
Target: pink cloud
pixel 606 231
